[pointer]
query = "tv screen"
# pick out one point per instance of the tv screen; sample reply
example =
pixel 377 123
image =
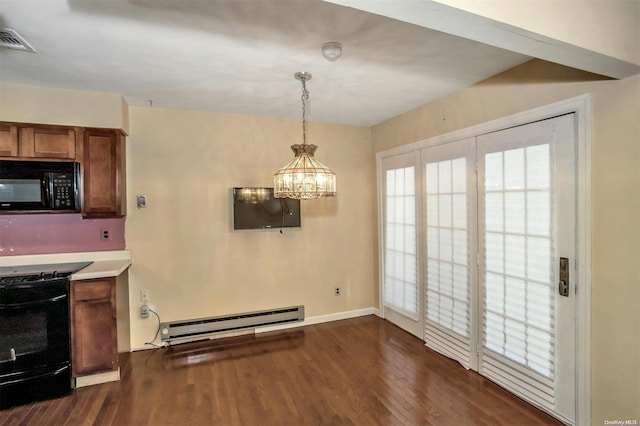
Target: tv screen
pixel 257 208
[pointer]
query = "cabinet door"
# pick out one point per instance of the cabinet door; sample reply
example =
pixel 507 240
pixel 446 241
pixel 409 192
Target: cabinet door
pixel 8 140
pixel 48 142
pixel 94 335
pixel 103 175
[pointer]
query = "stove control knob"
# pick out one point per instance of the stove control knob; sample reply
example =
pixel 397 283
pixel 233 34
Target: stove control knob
pixel 54 274
pixel 42 276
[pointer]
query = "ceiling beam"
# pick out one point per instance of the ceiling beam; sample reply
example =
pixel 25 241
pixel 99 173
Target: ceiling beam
pixel 455 21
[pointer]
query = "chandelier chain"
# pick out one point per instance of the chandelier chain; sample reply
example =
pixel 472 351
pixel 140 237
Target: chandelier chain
pixel 305 98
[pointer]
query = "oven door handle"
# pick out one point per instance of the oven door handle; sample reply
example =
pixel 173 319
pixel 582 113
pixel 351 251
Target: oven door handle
pixel 37 376
pixel 32 303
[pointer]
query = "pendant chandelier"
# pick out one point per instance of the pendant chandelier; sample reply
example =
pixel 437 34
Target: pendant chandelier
pixel 304 177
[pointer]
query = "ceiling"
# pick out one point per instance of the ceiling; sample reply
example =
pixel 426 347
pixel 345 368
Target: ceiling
pixel 240 56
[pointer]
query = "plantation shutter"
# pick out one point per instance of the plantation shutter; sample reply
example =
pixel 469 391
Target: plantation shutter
pixel 517 251
pixel 450 207
pixel 400 281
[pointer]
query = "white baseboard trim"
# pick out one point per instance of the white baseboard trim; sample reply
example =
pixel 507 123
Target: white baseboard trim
pixel 307 321
pixel 95 379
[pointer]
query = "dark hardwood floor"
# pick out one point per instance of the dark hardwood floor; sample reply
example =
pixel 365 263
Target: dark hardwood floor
pixel 362 371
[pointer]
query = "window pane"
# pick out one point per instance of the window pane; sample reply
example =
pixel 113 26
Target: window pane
pixel 447 275
pixel 400 280
pixel 518 281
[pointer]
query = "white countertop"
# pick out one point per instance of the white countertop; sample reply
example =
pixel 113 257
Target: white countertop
pixel 105 263
pixel 102 268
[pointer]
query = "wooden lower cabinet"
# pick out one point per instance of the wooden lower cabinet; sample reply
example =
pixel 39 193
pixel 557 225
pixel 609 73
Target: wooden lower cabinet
pixel 93 326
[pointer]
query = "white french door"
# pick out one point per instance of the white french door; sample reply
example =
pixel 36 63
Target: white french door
pixel 401 291
pixel 485 223
pixel 526 217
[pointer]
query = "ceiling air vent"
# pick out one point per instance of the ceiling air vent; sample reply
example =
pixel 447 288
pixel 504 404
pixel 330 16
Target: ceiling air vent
pixel 12 40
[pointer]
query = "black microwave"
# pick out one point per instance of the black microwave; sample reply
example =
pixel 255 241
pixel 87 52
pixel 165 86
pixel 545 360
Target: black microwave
pixel 39 186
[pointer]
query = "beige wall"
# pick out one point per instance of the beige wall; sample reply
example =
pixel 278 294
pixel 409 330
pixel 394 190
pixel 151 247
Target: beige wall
pixel 184 249
pixel 45 105
pixel 615 351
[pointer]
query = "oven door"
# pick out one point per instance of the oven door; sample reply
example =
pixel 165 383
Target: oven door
pixel 34 326
pixel 34 342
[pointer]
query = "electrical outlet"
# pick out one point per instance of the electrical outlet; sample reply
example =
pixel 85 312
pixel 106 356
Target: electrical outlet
pixel 337 292
pixel 144 311
pixel 144 295
pixel 104 234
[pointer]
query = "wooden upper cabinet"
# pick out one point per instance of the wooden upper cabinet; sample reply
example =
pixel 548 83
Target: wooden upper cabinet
pixel 101 153
pixel 48 142
pixel 8 140
pixel 38 141
pixel 103 162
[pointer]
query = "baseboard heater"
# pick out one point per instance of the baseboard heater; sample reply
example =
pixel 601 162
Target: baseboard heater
pixel 202 328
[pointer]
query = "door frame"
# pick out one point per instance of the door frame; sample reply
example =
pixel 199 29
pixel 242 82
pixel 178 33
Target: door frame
pixel 581 107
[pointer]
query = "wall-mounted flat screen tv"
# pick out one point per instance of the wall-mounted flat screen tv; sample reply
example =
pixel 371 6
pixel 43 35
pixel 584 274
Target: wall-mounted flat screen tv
pixel 257 208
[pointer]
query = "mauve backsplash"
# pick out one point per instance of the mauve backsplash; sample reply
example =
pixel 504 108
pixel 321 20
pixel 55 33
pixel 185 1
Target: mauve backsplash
pixel 58 233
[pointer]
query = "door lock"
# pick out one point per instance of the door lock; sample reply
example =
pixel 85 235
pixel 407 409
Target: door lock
pixel 563 286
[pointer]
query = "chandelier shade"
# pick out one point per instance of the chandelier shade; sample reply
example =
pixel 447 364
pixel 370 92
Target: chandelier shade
pixel 304 178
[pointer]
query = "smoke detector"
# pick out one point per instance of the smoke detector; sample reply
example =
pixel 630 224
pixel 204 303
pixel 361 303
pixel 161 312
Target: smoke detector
pixel 10 39
pixel 332 50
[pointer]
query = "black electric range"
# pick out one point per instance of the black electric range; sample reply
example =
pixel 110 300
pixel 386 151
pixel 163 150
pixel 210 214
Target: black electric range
pixel 35 343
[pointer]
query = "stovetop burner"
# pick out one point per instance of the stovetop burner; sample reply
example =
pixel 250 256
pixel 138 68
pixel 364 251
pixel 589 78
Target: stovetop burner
pixel 32 278
pixel 39 273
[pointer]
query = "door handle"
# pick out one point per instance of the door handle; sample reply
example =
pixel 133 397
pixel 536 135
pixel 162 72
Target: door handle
pixel 32 303
pixel 563 286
